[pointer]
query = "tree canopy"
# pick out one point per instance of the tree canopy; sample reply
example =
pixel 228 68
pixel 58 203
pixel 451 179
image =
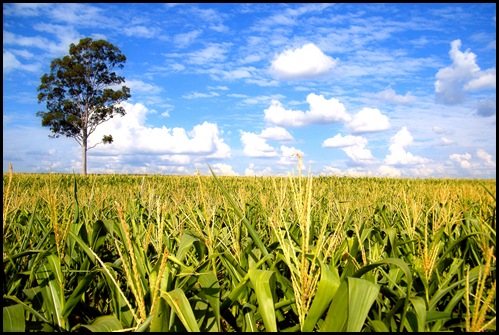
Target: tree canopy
pixel 82 91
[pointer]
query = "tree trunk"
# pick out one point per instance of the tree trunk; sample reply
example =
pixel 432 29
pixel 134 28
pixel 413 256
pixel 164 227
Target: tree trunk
pixel 84 160
pixel 84 156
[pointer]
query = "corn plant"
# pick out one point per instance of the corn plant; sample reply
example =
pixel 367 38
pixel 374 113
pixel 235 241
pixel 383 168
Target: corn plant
pixel 237 254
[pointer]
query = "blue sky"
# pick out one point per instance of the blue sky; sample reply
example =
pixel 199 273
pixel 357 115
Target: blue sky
pixel 388 90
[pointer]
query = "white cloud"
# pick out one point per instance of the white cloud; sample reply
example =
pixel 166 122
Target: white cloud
pixel 398 154
pixel 305 62
pixel 340 141
pixel 276 133
pixel 462 75
pixel 142 87
pixel 484 80
pixel 80 15
pixel 463 160
pixel 368 120
pixel 210 54
pixel 290 156
pixel 131 136
pixel 140 31
pixel 391 96
pixel 10 63
pixel 26 9
pixel 196 95
pixel 353 146
pixel 330 170
pixel 487 158
pixel 223 169
pixel 250 171
pixel 445 141
pixel 322 111
pixel 256 146
pixel 183 40
pixel 486 107
pixel 439 130
pixel 389 171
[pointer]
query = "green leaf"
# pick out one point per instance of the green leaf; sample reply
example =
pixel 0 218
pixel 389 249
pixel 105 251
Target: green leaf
pixel 326 289
pixel 160 316
pixel 264 283
pixel 379 326
pixel 247 224
pixel 50 279
pixel 350 306
pixel 105 323
pixel 186 241
pixel 402 265
pixel 178 301
pixel 75 296
pixel 210 291
pixel 13 318
pixel 27 307
pixel 420 312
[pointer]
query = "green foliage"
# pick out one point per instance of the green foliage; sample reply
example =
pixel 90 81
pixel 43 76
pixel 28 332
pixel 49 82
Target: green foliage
pixel 77 91
pixel 199 253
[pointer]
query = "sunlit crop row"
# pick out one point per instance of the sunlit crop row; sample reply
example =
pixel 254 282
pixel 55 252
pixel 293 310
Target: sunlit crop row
pixel 211 253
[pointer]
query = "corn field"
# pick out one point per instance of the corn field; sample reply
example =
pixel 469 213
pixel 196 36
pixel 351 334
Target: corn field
pixel 240 254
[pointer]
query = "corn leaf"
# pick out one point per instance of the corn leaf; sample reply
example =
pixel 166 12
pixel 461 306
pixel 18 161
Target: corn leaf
pixel 264 283
pixel 160 316
pixel 179 303
pixel 420 313
pixel 210 291
pixel 326 289
pixel 13 318
pixel 105 323
pixel 75 296
pixel 350 306
pixel 49 277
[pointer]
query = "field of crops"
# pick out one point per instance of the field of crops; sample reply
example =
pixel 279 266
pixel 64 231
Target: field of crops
pixel 212 253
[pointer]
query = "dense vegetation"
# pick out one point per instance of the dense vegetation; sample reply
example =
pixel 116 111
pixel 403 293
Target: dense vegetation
pixel 207 253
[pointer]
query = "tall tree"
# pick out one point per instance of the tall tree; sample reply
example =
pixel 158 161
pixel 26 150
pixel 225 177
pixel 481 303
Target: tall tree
pixel 79 93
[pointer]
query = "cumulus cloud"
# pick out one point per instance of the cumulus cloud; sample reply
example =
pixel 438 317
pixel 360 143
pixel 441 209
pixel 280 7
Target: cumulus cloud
pixel 486 107
pixel 353 146
pixel 461 76
pixel 251 171
pixel 484 80
pixel 305 62
pixel 276 133
pixel 486 157
pixel 223 169
pixel 322 111
pixel 256 146
pixel 398 154
pixel 290 156
pixel 445 141
pixel 368 120
pixel 389 171
pixel 463 160
pixel 132 136
pixel 391 96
